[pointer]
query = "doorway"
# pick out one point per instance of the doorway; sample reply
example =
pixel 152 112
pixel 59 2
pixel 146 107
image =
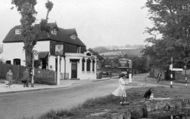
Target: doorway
pixel 74 70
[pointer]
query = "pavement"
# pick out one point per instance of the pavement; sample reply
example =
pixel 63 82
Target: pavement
pixel 4 88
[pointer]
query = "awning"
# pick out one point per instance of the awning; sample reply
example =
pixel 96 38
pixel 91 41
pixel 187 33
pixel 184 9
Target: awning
pixel 42 55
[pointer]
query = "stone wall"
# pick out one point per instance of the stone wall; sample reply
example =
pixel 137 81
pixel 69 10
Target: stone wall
pixel 154 109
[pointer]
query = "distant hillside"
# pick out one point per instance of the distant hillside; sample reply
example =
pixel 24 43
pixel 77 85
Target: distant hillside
pixel 129 52
pixel 119 51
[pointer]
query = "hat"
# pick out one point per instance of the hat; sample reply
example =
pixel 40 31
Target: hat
pixel 121 75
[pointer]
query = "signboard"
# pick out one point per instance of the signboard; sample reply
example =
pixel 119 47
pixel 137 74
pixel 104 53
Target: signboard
pixel 35 53
pixel 59 49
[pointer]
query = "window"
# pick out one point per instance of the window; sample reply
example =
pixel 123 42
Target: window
pixel 16 61
pixel 17 31
pixel 79 49
pixel 88 54
pixel 8 62
pixel 83 61
pixel 73 36
pixel 54 31
pixel 88 65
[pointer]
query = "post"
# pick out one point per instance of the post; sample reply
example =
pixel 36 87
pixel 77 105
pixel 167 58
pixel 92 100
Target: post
pixel 185 67
pixel 64 68
pixel 130 71
pixel 58 70
pixel 32 81
pixel 171 74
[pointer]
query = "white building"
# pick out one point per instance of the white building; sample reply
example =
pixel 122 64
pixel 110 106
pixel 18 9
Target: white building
pixel 75 62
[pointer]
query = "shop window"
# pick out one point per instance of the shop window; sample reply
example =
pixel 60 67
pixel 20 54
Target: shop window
pixel 88 65
pixel 83 61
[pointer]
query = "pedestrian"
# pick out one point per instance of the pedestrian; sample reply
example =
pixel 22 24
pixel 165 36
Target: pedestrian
pixel 121 90
pixel 9 77
pixel 25 78
pixel 159 77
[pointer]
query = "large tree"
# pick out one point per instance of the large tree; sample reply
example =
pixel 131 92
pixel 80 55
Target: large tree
pixel 171 20
pixel 30 31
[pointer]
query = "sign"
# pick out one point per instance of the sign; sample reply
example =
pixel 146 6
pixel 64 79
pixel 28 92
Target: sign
pixel 59 49
pixel 35 54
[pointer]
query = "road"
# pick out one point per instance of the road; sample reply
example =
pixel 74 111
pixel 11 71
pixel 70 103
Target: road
pixel 28 104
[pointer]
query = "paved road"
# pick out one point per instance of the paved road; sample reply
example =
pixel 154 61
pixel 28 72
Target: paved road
pixel 17 105
pixel 28 104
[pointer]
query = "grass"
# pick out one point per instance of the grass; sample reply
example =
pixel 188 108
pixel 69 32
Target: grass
pixel 103 107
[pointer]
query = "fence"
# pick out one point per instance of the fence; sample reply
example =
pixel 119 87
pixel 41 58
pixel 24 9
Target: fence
pixel 45 77
pixel 17 71
pixel 41 76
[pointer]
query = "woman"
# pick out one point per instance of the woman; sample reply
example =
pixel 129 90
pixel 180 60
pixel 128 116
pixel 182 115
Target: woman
pixel 121 90
pixel 9 77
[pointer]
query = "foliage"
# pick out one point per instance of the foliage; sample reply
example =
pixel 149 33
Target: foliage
pixel 30 32
pixel 171 20
pixel 100 58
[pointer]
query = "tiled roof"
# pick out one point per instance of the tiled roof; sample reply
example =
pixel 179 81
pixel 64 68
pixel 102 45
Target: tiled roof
pixel 63 35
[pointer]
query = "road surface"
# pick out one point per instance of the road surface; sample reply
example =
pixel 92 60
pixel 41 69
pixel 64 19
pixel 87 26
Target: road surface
pixel 28 104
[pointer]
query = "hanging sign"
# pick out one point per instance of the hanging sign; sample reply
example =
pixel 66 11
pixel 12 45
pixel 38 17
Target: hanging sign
pixel 59 49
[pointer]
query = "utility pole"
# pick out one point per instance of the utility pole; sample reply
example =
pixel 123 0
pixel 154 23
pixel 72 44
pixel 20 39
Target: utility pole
pixel 130 71
pixel 185 67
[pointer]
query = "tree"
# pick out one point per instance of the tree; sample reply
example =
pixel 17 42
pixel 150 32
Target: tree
pixel 172 21
pixel 30 32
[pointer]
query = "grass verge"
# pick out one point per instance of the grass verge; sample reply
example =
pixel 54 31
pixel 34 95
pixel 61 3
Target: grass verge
pixel 101 108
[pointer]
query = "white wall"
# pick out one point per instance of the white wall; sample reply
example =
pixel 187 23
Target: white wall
pixel 51 63
pixel 42 46
pixel 15 50
pixel 82 75
pixel 12 51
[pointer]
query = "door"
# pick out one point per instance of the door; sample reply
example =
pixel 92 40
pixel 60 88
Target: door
pixel 74 69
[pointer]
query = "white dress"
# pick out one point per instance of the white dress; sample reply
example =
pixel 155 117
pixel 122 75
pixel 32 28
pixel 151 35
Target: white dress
pixel 121 90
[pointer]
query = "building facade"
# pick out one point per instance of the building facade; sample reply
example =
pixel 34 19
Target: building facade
pixel 74 61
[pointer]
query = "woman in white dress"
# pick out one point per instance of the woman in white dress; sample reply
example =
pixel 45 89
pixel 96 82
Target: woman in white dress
pixel 121 90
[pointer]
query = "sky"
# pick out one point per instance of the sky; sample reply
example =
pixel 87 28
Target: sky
pixel 98 22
